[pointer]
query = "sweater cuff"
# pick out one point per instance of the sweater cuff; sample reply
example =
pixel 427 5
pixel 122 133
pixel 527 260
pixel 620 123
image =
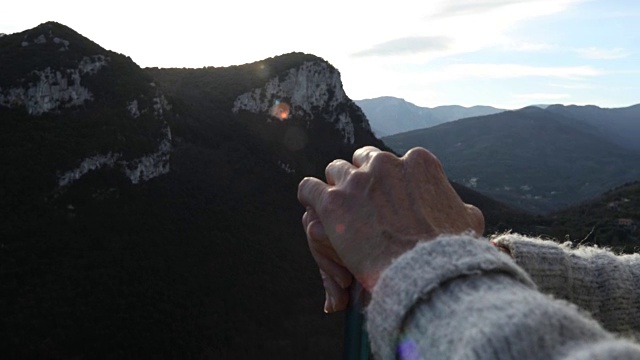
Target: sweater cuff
pixel 545 261
pixel 417 273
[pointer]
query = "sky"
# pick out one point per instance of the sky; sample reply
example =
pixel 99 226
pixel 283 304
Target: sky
pixel 502 53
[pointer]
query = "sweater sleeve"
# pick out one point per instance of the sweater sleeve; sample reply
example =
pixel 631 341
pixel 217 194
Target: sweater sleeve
pixel 604 284
pixel 458 297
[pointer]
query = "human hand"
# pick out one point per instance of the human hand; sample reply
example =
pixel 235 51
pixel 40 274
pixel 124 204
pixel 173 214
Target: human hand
pixel 373 210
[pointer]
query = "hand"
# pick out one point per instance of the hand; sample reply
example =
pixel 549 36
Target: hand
pixel 373 210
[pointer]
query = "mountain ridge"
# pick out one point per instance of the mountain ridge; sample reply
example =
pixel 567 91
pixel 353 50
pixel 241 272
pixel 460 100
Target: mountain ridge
pixel 389 115
pixel 512 152
pixel 181 262
pixel 619 125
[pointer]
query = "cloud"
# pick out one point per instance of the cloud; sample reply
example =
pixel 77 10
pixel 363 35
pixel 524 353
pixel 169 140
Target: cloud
pixel 506 71
pixel 574 86
pixel 474 7
pixel 407 45
pixel 528 46
pixel 541 96
pixel 602 54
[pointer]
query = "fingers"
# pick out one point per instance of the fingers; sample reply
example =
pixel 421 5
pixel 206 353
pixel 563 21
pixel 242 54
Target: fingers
pixel 338 171
pixel 477 219
pixel 335 278
pixel 323 251
pixel 422 157
pixel 336 298
pixel 324 254
pixel 310 191
pixel 363 155
pixel 420 153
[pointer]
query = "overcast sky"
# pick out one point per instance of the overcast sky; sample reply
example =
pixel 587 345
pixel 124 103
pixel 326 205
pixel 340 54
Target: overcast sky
pixel 503 53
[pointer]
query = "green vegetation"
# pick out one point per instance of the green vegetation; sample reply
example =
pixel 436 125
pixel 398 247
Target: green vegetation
pixel 531 159
pixel 612 220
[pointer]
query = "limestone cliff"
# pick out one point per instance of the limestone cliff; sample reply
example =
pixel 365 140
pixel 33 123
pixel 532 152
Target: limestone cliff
pixel 314 89
pixel 96 107
pixel 54 89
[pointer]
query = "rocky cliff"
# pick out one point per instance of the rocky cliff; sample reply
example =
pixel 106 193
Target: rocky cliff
pixel 145 210
pixel 294 104
pixel 148 212
pixel 313 87
pixel 112 112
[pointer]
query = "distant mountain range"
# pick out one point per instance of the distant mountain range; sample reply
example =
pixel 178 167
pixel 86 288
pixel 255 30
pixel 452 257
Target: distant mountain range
pixel 619 125
pixel 535 159
pixel 389 115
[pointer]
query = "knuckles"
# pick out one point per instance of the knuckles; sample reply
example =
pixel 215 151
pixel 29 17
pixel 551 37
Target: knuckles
pixel 424 157
pixel 333 201
pixel 359 179
pixel 383 161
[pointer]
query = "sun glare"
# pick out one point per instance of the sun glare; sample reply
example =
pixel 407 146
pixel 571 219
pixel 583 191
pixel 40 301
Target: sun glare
pixel 280 110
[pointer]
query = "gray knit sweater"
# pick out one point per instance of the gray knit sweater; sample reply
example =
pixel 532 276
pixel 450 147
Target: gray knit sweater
pixel 458 297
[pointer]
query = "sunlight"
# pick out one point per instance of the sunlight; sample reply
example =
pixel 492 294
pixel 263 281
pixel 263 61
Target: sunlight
pixel 280 110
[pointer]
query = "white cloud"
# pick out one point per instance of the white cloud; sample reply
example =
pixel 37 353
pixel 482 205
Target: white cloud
pixel 527 46
pixel 407 45
pixel 485 7
pixel 541 96
pixel 574 86
pixel 602 54
pixel 506 71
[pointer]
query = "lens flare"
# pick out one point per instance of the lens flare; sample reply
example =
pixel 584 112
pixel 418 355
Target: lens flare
pixel 280 110
pixel 408 350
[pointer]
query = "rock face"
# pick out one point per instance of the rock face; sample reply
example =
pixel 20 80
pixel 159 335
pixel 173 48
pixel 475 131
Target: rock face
pixel 88 108
pixel 150 166
pixel 140 169
pixel 310 88
pixel 54 88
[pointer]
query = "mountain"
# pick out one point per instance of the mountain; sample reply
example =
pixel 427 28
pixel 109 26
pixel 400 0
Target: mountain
pixel 533 159
pixel 139 224
pixel 611 220
pixel 389 115
pixel 618 125
pixel 68 107
pixel 153 212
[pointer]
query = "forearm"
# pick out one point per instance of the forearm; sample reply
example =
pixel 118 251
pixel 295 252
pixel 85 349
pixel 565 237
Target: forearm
pixel 459 297
pixel 606 285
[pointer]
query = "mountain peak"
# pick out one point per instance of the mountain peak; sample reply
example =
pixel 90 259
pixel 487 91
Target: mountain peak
pixel 50 36
pixel 51 76
pixel 310 88
pixel 531 110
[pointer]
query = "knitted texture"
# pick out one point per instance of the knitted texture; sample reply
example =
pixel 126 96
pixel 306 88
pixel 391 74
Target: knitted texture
pixel 598 281
pixel 459 297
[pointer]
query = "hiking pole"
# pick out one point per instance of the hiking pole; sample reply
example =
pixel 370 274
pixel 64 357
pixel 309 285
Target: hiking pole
pixel 356 339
